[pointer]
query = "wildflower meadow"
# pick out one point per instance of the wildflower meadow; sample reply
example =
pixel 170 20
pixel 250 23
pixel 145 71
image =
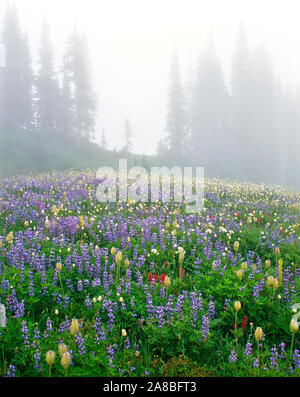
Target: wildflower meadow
pixel 139 289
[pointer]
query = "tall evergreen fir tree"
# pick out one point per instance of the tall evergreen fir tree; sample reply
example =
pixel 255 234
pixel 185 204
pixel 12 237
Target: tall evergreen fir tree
pixel 103 140
pixel 2 71
pixel 162 152
pixel 210 107
pixel 176 114
pixel 17 76
pixel 241 138
pixel 77 69
pixel 267 152
pixel 128 137
pixel 47 87
pixel 291 144
pixel 188 88
pixel 66 108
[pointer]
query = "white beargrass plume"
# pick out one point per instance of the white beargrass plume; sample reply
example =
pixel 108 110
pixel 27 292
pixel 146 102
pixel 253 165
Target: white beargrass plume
pixel 50 357
pixel 65 361
pixel 62 348
pixel 294 327
pixel 2 316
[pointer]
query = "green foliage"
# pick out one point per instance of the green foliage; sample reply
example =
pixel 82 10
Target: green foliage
pixel 168 345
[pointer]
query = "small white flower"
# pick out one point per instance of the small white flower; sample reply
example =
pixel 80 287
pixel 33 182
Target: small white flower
pixel 2 316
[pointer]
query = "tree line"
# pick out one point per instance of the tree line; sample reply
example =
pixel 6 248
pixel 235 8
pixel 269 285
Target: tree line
pixel 245 128
pixel 48 117
pixel 52 101
pixel 45 116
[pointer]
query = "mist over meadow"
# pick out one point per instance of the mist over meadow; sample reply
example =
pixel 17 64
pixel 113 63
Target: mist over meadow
pixel 105 275
pixel 65 103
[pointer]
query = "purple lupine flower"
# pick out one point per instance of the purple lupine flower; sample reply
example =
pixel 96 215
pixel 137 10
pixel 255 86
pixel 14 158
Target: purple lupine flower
pixel 211 308
pixel 204 327
pixel 31 283
pixel 179 305
pixel 150 307
pixel 127 343
pixel 233 356
pixel 274 357
pixel 37 333
pixel 24 331
pixel 88 302
pixel 248 349
pixel 296 358
pixel 65 326
pixel 128 282
pixel 196 305
pixel 99 330
pixel 79 340
pixel 110 307
pixel 49 328
pixel 226 304
pixel 282 350
pixel 169 311
pixel 110 355
pixel 160 315
pixel 11 372
pixel 37 358
pixel 139 279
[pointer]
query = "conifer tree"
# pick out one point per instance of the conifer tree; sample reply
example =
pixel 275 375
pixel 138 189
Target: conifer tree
pixel 128 137
pixel 103 140
pixel 210 107
pixel 77 69
pixel 176 115
pixel 17 82
pixel 47 87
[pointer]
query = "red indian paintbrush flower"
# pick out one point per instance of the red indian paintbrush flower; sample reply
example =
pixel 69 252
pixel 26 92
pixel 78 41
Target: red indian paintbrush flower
pixel 181 273
pixel 162 278
pixel 152 277
pixel 244 323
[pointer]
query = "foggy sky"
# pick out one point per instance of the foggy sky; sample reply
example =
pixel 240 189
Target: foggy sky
pixel 131 42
